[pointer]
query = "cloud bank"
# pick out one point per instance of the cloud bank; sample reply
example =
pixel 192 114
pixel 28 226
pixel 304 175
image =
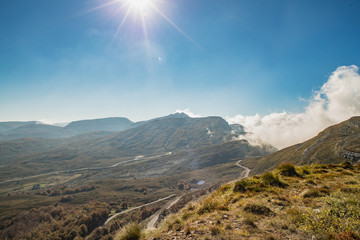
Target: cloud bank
pixel 336 101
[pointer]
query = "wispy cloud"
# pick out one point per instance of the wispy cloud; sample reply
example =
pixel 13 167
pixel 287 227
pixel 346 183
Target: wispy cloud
pixel 188 112
pixel 337 100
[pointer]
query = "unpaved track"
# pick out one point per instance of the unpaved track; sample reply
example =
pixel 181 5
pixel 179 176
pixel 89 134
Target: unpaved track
pixel 144 205
pixel 155 217
pixel 244 174
pixel 246 171
pixel 138 158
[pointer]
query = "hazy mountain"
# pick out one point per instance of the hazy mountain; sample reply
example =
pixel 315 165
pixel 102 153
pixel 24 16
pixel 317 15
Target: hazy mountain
pixel 37 131
pixel 168 134
pixel 174 115
pixel 7 126
pixel 18 149
pixel 33 129
pixel 11 149
pixel 333 145
pixel 114 124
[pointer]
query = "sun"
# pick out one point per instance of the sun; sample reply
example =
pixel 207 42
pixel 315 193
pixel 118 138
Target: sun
pixel 141 12
pixel 139 4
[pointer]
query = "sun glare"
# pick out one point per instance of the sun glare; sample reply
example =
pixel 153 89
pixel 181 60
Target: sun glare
pixel 141 11
pixel 139 4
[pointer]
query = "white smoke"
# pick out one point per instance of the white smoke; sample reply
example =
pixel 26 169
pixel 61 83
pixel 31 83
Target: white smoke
pixel 336 101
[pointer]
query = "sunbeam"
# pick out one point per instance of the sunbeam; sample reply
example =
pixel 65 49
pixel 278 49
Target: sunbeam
pixel 139 11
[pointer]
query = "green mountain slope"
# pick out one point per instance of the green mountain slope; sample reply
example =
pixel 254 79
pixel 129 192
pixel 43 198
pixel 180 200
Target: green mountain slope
pixel 169 134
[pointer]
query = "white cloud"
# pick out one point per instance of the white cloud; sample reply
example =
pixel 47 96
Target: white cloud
pixel 188 112
pixel 336 101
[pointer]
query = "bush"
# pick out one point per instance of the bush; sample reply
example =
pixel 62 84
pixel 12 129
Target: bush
pixel 240 186
pixel 257 209
pixel 347 165
pixel 312 192
pixel 66 199
pixel 214 230
pixel 311 182
pixel 271 179
pixel 250 221
pixel 288 170
pixel 132 231
pixel 208 207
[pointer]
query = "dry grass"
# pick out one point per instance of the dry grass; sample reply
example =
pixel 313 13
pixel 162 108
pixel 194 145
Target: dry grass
pixel 258 208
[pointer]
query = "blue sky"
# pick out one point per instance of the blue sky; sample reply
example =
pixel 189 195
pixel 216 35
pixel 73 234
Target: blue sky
pixel 61 62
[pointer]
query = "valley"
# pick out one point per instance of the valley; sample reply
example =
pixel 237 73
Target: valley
pixel 129 170
pixel 141 174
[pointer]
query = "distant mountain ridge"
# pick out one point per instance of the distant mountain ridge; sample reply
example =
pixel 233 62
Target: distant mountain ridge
pixel 113 124
pixel 172 133
pixel 340 142
pixel 7 126
pixel 35 129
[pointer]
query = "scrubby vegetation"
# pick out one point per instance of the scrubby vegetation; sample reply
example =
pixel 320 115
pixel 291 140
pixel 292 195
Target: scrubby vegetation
pixel 132 231
pixel 287 169
pixel 309 202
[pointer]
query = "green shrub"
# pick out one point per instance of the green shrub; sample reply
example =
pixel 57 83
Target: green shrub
pixel 224 188
pixel 288 170
pixel 240 186
pixel 214 230
pixel 132 231
pixel 186 215
pixel 271 179
pixel 250 221
pixel 347 165
pixel 208 206
pixel 257 209
pixel 312 192
pixel 228 227
pixel 311 182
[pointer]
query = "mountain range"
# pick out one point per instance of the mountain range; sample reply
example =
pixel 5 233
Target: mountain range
pixel 103 164
pixel 39 148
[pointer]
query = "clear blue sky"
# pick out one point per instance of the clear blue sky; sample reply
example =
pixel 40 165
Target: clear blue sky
pixel 61 62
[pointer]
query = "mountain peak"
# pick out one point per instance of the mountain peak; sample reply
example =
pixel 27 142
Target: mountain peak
pixel 178 115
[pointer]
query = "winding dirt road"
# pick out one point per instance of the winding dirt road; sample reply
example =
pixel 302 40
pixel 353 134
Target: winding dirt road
pixel 131 209
pixel 246 171
pixel 138 158
pixel 155 217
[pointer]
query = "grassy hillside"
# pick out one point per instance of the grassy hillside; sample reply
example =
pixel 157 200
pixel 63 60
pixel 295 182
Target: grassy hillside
pixel 335 144
pixel 308 202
